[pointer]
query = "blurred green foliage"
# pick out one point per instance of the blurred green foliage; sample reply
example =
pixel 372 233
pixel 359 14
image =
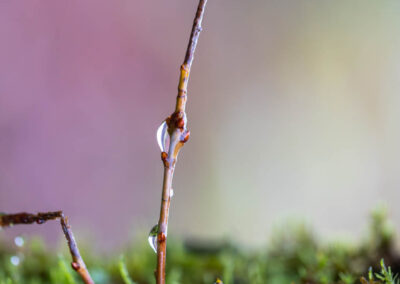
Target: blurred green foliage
pixel 293 255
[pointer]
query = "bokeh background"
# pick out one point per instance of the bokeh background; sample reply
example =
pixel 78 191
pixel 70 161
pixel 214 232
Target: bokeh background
pixel 293 110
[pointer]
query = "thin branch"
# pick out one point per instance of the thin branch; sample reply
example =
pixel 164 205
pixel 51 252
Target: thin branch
pixel 194 35
pixel 77 262
pixel 187 63
pixel 178 133
pixel 8 220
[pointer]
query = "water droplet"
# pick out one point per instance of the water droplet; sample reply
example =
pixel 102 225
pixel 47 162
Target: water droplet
pixel 153 238
pixel 40 221
pixel 162 135
pixel 15 260
pixel 19 241
pixel 171 193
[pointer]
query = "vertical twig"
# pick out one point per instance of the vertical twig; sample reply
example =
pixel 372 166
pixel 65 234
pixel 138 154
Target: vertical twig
pixel 7 220
pixel 178 133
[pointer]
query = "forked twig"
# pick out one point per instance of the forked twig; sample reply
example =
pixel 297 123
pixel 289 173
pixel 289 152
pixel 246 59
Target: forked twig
pixel 178 134
pixel 7 220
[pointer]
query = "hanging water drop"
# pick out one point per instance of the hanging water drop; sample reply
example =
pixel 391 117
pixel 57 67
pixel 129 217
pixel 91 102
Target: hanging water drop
pixel 153 238
pixel 19 241
pixel 171 193
pixel 15 260
pixel 162 133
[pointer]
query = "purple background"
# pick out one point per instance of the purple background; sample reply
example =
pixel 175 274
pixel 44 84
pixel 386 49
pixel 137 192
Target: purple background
pixel 293 110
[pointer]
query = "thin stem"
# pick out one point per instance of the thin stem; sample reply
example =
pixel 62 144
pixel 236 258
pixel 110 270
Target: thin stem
pixel 177 130
pixel 7 220
pixel 187 63
pixel 77 262
pixel 163 223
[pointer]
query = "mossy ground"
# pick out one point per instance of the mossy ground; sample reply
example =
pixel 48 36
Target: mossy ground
pixel 293 255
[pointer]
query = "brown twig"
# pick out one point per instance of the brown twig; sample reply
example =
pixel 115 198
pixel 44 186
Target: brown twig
pixel 7 220
pixel 77 262
pixel 178 133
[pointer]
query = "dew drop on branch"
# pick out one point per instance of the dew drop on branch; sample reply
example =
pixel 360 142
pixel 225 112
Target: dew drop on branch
pixel 162 135
pixel 153 238
pixel 171 193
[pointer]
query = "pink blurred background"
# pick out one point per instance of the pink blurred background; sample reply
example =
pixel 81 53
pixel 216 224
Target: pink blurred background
pixel 293 110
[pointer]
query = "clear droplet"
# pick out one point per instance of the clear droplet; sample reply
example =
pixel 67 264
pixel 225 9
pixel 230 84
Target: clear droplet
pixel 19 241
pixel 153 238
pixel 162 135
pixel 15 260
pixel 171 193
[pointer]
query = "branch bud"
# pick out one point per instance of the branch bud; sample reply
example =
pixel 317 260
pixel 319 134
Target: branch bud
pixel 161 237
pixel 185 136
pixel 164 158
pixel 75 266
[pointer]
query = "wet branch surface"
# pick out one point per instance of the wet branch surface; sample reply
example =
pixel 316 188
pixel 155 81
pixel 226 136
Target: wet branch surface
pixel 178 134
pixel 8 220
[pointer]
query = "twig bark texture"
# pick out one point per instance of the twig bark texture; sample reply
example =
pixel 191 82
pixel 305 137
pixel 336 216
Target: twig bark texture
pixel 77 262
pixel 7 220
pixel 178 133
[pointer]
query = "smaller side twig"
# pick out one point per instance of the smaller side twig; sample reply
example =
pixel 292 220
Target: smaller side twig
pixel 77 262
pixel 8 220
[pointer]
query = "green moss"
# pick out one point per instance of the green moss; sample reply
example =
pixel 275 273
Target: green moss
pixel 293 255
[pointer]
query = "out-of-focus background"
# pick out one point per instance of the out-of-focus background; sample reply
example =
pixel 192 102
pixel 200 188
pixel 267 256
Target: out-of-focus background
pixel 293 110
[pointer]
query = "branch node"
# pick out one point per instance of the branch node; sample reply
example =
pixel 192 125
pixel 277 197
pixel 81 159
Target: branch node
pixel 161 237
pixel 180 123
pixel 75 266
pixel 164 159
pixel 185 68
pixel 185 136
